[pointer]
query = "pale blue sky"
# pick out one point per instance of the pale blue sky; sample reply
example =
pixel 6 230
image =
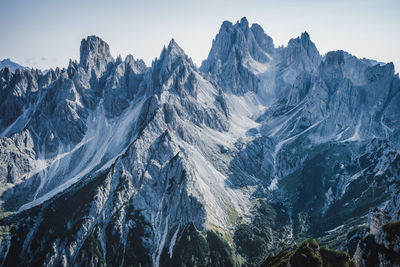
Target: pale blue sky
pixel 47 33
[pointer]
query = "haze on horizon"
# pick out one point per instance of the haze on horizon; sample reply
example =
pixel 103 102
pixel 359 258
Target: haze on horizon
pixel 47 33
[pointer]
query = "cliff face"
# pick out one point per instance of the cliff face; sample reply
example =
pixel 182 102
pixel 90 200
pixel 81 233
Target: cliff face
pixel 381 249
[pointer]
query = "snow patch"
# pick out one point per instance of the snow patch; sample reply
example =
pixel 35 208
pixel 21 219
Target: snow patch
pixel 173 241
pixel 339 136
pixel 274 184
pixel 19 124
pixel 255 66
pixel 356 136
pixel 335 229
pixel 104 141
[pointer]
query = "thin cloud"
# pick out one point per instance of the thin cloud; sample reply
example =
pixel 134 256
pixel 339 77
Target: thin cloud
pixel 31 61
pixel 47 59
pixel 35 62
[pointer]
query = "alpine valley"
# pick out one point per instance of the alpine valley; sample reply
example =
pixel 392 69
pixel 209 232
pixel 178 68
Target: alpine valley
pixel 110 162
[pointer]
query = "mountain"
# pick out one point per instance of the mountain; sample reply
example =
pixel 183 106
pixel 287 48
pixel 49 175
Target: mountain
pixel 11 65
pixel 112 162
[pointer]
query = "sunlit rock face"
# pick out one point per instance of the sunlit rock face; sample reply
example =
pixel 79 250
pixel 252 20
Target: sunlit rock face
pixel 112 162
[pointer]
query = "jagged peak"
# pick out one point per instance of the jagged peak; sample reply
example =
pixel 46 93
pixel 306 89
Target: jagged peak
pixel 137 65
pixel 5 72
pixel 247 41
pixel 226 25
pixel 174 48
pixel 72 67
pixel 171 58
pixel 118 60
pixel 173 52
pixel 305 36
pixel 94 52
pixel 302 43
pixel 13 66
pixel 129 58
pixel 243 23
pixel 263 40
pixel 6 60
pixel 304 40
pixel 93 42
pixel 229 27
pixel 72 62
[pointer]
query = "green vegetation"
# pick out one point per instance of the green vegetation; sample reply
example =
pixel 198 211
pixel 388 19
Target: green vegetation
pixel 254 240
pixel 5 228
pixel 199 249
pixel 306 255
pixel 334 258
pixel 309 254
pixel 280 260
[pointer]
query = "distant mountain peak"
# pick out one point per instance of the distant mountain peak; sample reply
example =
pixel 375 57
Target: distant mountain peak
pixel 303 40
pixel 172 59
pixel 174 48
pixel 11 65
pixel 173 52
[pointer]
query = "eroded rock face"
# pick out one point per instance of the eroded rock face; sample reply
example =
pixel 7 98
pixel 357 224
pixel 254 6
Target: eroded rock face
pixel 381 249
pixel 111 162
pixel 95 55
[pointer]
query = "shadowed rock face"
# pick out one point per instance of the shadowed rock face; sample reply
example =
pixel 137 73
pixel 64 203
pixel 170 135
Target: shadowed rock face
pixel 381 249
pixel 308 253
pixel 111 162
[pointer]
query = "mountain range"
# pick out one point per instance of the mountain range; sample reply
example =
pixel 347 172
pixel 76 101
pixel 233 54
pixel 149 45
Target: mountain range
pixel 110 162
pixel 10 65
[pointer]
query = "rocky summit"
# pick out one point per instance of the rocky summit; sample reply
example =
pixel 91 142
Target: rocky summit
pixel 110 162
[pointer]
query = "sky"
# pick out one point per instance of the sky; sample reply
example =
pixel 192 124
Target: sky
pixel 47 33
